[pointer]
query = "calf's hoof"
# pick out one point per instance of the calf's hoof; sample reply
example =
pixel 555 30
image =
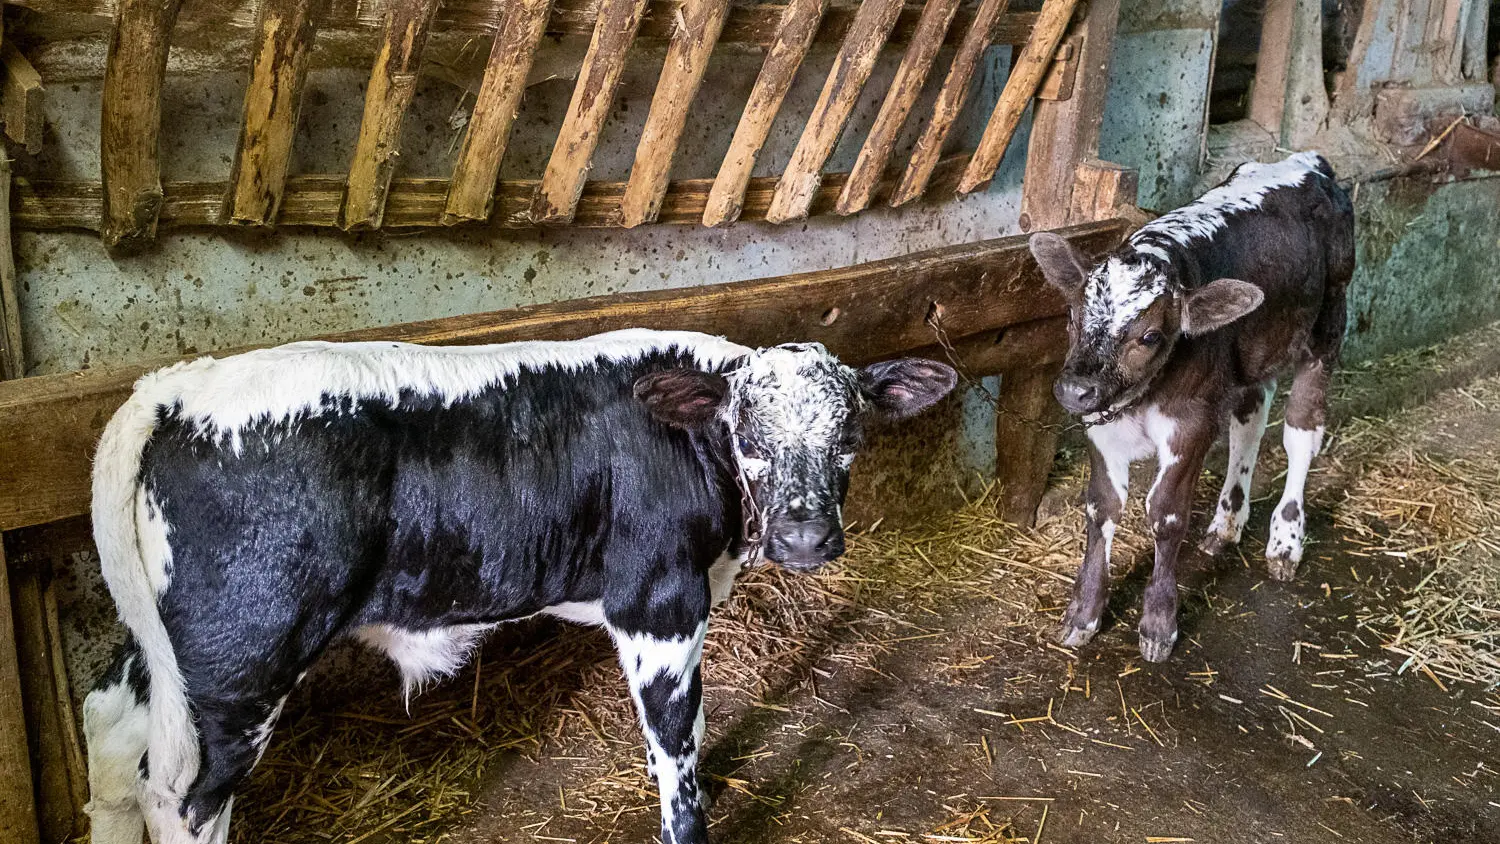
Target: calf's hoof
pixel 1074 635
pixel 1213 544
pixel 1281 566
pixel 1156 647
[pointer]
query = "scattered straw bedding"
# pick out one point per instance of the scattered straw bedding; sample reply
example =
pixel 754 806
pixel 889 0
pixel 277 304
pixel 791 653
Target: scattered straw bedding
pixel 372 771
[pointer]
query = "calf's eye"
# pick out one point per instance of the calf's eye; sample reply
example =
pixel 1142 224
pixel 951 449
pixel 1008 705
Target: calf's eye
pixel 745 447
pixel 1151 339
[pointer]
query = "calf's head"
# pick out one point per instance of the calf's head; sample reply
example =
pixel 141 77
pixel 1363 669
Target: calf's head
pixel 794 417
pixel 1128 312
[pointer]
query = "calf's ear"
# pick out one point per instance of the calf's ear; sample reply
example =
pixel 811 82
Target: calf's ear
pixel 685 398
pixel 901 388
pixel 1062 264
pixel 1217 304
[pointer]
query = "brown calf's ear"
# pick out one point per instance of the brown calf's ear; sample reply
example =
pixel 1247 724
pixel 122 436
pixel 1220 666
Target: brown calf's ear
pixel 1217 304
pixel 685 398
pixel 1062 264
pixel 902 388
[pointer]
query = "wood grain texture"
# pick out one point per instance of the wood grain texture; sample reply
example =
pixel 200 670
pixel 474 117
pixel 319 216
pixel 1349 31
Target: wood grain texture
pixel 949 104
pixel 18 820
pixel 22 100
pixel 49 425
pixel 1027 424
pixel 1025 76
pixel 273 102
pixel 130 119
pixel 911 75
pixel 393 81
pixel 12 342
pixel 1102 190
pixel 794 36
pixel 567 169
pixel 495 108
pixel 851 69
pixel 682 73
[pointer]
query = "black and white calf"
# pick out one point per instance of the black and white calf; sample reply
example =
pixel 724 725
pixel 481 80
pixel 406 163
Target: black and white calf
pixel 249 511
pixel 1183 328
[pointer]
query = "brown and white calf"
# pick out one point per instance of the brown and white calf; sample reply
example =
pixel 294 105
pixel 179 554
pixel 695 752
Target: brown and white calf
pixel 1184 328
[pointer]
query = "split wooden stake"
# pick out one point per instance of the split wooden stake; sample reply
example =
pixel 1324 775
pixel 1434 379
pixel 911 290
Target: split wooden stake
pixel 937 16
pixel 472 193
pixel 1025 77
pixel 794 35
pixel 950 101
pixel 278 69
pixel 21 99
pixel 562 183
pixel 687 59
pixel 393 81
pixel 851 69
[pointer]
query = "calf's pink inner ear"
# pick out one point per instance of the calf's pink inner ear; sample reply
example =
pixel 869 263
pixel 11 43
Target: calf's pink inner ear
pixel 685 398
pixel 902 388
pixel 1219 303
pixel 1063 265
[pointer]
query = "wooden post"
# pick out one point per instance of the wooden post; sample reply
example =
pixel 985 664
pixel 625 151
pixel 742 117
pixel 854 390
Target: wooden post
pixel 1027 424
pixel 851 69
pixel 393 81
pixel 950 101
pixel 687 59
pixel 22 99
pixel 794 35
pixel 937 15
pixel 130 119
pixel 12 351
pixel 1289 98
pixel 562 183
pixel 1025 77
pixel 1102 190
pixel 472 193
pixel 278 69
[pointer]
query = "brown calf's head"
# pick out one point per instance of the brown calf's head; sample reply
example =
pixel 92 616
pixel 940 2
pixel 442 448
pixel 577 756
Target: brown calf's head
pixel 1128 312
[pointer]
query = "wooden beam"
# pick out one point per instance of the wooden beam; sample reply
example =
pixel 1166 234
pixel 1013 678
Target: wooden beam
pixel 1025 77
pixel 937 15
pixel 273 102
pixel 22 100
pixel 949 103
pixel 794 36
pixel 1102 190
pixel 1065 133
pixel 12 347
pixel 495 108
pixel 18 821
pixel 851 69
pixel 49 425
pixel 130 119
pixel 687 59
pixel 1028 422
pixel 562 183
pixel 1290 98
pixel 393 81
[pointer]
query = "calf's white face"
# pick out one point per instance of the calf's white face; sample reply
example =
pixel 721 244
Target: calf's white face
pixel 794 417
pixel 1128 312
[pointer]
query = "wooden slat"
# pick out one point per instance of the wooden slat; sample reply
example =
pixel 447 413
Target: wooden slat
pixel 412 203
pixel 495 109
pixel 21 99
pixel 130 119
pixel 851 69
pixel 273 101
pixel 1102 190
pixel 793 38
pixel 18 821
pixel 12 346
pixel 1025 76
pixel 393 81
pixel 562 183
pixel 897 106
pixel 49 425
pixel 949 103
pixel 687 59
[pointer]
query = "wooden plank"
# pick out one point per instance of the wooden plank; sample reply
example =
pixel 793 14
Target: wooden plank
pixel 1025 76
pixel 130 119
pixel 495 109
pixel 1100 189
pixel 49 425
pixel 393 81
pixel 18 821
pixel 1065 133
pixel 950 102
pixel 1027 424
pixel 793 38
pixel 22 100
pixel 687 59
pixel 851 69
pixel 937 15
pixel 562 183
pixel 272 103
pixel 12 346
pixel 1268 94
pixel 412 203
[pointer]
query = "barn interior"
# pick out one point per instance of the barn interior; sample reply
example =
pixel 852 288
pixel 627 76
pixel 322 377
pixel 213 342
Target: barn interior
pixel 189 177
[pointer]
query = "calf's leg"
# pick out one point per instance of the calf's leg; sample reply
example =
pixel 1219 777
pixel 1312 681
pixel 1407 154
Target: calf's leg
pixel 1303 437
pixel 1109 478
pixel 115 726
pixel 1247 426
pixel 1168 509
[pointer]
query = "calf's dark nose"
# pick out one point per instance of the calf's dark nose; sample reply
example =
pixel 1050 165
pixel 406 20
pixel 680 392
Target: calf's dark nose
pixel 804 543
pixel 1077 395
